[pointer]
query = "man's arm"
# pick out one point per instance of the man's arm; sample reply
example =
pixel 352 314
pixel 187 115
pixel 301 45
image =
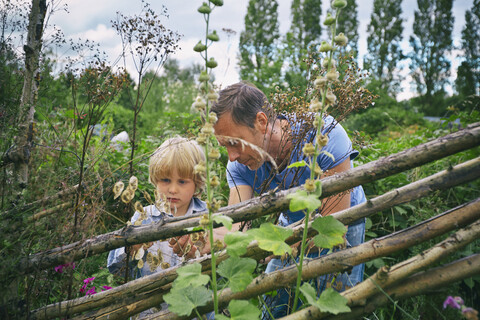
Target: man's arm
pixel 237 195
pixel 339 201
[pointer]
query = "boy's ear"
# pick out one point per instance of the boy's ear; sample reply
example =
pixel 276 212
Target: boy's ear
pixel 261 122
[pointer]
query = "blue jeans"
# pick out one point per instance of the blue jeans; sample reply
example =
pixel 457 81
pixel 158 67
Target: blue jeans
pixel 281 303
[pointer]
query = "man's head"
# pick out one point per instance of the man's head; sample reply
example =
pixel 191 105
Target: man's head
pixel 243 112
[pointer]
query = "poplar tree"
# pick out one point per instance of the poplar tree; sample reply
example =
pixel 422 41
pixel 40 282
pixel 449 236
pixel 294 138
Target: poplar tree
pixel 384 37
pixel 258 59
pixel 431 42
pixel 304 34
pixel 468 78
pixel 348 24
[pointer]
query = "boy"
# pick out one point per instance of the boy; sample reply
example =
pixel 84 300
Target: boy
pixel 171 171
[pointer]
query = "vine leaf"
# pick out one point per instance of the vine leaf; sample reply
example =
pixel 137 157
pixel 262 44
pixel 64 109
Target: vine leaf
pixel 190 276
pixel 302 200
pixel 183 300
pixel 329 301
pixel 297 164
pixel 272 238
pixel 237 243
pixel 241 310
pixel 330 232
pixel 226 221
pixel 238 271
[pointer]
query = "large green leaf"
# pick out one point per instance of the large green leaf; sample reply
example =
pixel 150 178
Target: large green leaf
pixel 183 300
pixel 329 301
pixel 238 271
pixel 190 276
pixel 241 310
pixel 330 232
pixel 272 238
pixel 302 200
pixel 226 221
pixel 237 243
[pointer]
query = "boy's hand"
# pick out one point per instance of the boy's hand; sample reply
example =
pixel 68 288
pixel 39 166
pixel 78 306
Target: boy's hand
pixel 183 246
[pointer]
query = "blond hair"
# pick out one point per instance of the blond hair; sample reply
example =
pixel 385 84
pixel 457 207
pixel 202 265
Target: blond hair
pixel 178 154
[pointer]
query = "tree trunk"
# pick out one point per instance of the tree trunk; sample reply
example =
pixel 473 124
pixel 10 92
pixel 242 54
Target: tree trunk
pixel 20 154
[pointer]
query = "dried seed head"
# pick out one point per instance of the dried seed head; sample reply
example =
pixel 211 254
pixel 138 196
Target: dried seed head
pixel 318 171
pixel 147 197
pixel 217 245
pixel 139 254
pixel 332 75
pixel 320 83
pixel 139 207
pixel 202 138
pixel 325 47
pixel 117 189
pixel 204 221
pixel 330 98
pixel 212 116
pixel 140 264
pixel 165 265
pixel 199 104
pixel 127 195
pixel 133 183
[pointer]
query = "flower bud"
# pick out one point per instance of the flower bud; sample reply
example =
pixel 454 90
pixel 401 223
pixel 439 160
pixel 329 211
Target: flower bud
pixel 204 221
pixel 200 168
pixel 341 39
pixel 318 171
pixel 308 150
pixel 322 140
pixel 214 182
pixel 326 61
pixel 213 36
pixel 199 47
pixel 202 138
pixel 204 77
pixel 330 98
pixel 218 3
pixel 199 104
pixel 329 20
pixel 332 75
pixel 212 116
pixel 217 245
pixel 212 96
pixel 212 63
pixel 213 154
pixel 320 83
pixel 310 185
pixel 316 105
pixel 325 47
pixel 339 4
pixel 208 129
pixel 204 8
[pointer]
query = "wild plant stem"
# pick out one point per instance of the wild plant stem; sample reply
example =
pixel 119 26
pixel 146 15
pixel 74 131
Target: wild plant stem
pixel 300 263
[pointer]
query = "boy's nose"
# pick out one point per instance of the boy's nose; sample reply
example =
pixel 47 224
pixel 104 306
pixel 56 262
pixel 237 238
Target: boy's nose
pixel 172 189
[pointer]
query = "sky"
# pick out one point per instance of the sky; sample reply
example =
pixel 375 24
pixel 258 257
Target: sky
pixel 91 19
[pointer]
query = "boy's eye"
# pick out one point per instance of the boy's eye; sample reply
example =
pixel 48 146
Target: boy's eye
pixel 182 181
pixel 165 180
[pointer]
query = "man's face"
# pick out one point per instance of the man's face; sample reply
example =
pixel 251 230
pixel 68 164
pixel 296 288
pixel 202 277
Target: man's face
pixel 243 153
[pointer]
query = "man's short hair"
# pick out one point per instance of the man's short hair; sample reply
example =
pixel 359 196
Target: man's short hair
pixel 180 154
pixel 243 100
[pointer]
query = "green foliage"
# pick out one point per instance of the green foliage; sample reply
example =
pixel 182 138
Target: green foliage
pixel 224 220
pixel 238 272
pixel 303 200
pixel 330 232
pixel 329 301
pixel 182 301
pixel 384 37
pixel 348 25
pixel 431 42
pixel 272 238
pixel 237 243
pixel 241 310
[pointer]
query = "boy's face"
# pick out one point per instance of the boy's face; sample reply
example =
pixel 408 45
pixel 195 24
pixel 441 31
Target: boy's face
pixel 177 191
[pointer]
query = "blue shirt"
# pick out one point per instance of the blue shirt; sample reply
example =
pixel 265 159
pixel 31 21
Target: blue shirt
pixel 264 178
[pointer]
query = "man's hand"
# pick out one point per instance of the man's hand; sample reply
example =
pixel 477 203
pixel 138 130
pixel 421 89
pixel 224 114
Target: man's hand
pixel 188 245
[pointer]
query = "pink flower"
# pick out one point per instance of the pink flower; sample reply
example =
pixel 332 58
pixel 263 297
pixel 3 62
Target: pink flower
pixel 91 291
pixel 106 288
pixel 453 302
pixel 88 280
pixel 59 268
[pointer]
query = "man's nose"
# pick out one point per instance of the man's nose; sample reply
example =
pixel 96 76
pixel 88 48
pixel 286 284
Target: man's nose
pixel 233 154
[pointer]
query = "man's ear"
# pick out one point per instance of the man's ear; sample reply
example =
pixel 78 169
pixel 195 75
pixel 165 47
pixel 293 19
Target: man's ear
pixel 261 122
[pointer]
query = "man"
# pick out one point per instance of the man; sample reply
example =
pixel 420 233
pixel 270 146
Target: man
pixel 259 162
